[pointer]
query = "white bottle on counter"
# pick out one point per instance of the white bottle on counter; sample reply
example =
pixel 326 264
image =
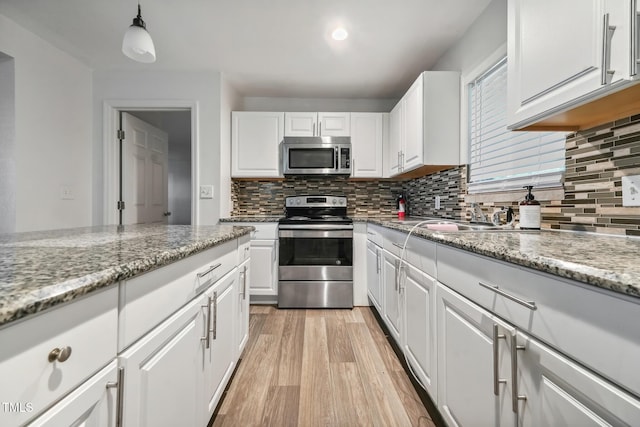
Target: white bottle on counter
pixel 529 211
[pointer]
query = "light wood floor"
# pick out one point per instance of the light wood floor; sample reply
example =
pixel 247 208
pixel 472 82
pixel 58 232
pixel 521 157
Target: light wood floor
pixel 319 368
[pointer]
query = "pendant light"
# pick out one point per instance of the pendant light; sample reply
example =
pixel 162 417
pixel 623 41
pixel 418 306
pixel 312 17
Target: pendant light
pixel 137 43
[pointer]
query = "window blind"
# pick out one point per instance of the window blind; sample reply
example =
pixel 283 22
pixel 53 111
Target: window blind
pixel 500 159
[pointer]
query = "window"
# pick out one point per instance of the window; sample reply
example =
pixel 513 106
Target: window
pixel 500 159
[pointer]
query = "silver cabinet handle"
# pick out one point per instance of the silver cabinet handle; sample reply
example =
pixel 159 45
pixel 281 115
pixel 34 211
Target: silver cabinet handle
pixel 320 128
pixel 215 315
pixel 206 337
pixel 314 130
pixel 397 264
pixel 496 350
pixel 119 385
pixel 244 283
pixel 515 397
pixel 397 245
pixel 607 33
pixel 531 305
pixel 59 354
pixel 369 232
pixel 377 261
pixel 209 270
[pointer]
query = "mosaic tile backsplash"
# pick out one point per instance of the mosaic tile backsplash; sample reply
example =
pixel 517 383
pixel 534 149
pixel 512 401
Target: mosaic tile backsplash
pixel 596 161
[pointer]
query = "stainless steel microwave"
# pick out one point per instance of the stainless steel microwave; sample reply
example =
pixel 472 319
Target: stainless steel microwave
pixel 316 155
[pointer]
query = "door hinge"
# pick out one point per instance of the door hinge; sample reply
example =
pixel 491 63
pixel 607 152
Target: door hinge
pixel 120 205
pixel 120 134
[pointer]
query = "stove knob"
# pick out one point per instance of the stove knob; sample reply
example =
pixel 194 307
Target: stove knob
pixel 334 201
pixel 342 201
pixel 298 201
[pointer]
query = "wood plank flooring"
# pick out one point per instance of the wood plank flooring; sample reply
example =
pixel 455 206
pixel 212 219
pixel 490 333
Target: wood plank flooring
pixel 319 368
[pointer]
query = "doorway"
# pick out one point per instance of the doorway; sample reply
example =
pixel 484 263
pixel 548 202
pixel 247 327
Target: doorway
pixel 177 122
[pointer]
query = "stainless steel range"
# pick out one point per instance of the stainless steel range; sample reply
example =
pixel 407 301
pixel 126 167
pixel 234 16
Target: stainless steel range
pixel 316 253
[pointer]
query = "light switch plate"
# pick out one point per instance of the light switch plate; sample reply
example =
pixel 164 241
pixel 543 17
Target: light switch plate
pixel 66 193
pixel 631 190
pixel 437 202
pixel 206 191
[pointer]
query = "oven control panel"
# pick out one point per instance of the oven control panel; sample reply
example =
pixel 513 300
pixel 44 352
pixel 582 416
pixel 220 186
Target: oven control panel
pixel 316 201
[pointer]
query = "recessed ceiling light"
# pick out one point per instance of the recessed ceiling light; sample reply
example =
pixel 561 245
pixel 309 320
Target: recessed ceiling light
pixel 339 34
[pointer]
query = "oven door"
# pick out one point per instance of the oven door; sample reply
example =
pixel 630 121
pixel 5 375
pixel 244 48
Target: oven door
pixel 321 253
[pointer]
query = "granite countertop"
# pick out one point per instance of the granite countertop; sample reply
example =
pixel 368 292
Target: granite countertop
pixel 39 270
pixel 601 260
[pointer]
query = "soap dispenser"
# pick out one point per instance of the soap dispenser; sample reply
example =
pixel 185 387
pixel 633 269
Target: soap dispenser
pixel 529 211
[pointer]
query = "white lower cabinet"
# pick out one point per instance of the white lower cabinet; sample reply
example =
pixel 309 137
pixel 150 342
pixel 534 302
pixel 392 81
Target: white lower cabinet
pixel 391 299
pixel 473 364
pixel 163 371
pixel 219 358
pixel 419 334
pixel 242 307
pixel 91 404
pixel 264 259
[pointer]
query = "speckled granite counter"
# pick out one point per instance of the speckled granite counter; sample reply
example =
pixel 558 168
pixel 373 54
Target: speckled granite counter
pixel 39 270
pixel 608 262
pixel 272 218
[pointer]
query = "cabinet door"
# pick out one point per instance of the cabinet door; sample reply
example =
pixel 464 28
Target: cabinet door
pixel 242 310
pixel 552 63
pixel 264 265
pixel 558 391
pixel 163 372
pixel 391 299
pixel 91 404
pixel 419 326
pixel 412 151
pixel 301 124
pixel 396 133
pixel 334 124
pixel 472 361
pixel 366 143
pixel 373 274
pixel 255 144
pixel 219 359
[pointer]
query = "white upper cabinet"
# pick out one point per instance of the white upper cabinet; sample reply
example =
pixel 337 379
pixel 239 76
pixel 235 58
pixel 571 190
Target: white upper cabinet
pixel 425 125
pixel 317 124
pixel 255 143
pixel 556 64
pixel 367 136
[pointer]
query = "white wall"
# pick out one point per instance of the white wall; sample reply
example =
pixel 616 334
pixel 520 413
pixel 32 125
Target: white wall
pixel 229 101
pixel 53 131
pixel 201 87
pixel 7 145
pixel 318 104
pixel 487 34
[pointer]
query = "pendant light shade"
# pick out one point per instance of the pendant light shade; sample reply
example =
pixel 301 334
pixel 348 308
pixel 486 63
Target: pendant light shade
pixel 137 43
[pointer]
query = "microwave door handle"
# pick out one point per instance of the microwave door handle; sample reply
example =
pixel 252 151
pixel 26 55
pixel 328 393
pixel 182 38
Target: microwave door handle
pixel 337 157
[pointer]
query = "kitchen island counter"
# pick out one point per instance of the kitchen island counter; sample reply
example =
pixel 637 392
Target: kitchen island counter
pixel 39 270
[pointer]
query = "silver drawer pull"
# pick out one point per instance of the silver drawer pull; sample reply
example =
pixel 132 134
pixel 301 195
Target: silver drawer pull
pixel 397 245
pixel 59 354
pixel 496 353
pixel 119 386
pixel 213 267
pixel 531 305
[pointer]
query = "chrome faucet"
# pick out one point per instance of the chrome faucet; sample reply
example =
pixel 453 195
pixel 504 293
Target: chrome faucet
pixel 477 215
pixel 495 217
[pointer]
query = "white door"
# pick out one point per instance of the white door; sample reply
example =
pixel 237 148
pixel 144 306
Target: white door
pixel 412 152
pixel 301 124
pixel 474 370
pixel 334 124
pixel 145 175
pixel 91 404
pixel 264 267
pixel 391 299
pixel 255 144
pixel 366 143
pixel 373 274
pixel 219 358
pixel 419 328
pixel 243 306
pixel 163 372
pixel 558 391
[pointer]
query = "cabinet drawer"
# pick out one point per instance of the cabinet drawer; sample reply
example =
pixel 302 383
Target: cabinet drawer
pixel 244 248
pixel 373 234
pixel 148 299
pixel 419 252
pixel 263 230
pixel 595 327
pixel 29 381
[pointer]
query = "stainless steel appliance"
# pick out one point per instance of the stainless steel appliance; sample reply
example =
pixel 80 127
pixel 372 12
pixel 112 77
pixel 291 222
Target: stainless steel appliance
pixel 316 253
pixel 316 155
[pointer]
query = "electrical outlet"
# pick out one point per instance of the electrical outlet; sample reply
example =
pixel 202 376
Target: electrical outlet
pixel 631 190
pixel 66 193
pixel 437 202
pixel 206 191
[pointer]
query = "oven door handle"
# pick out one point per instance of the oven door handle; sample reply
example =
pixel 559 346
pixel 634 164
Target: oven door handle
pixel 315 227
pixel 316 234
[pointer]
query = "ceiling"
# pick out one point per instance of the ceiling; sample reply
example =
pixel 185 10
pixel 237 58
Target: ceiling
pixel 274 48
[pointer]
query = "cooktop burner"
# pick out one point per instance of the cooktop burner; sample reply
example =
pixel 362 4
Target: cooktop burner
pixel 316 210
